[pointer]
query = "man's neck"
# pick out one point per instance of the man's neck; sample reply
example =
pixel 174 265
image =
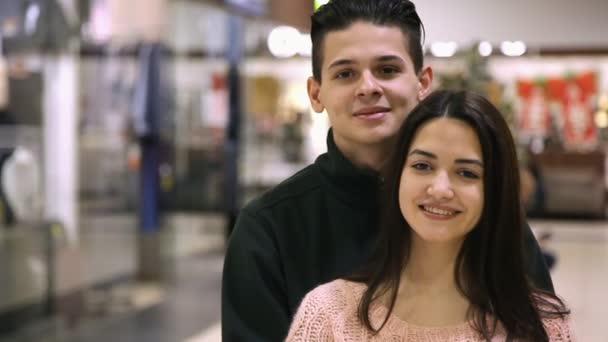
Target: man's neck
pixel 365 156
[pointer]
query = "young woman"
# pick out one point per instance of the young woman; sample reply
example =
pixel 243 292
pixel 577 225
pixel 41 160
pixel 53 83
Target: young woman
pixel 449 261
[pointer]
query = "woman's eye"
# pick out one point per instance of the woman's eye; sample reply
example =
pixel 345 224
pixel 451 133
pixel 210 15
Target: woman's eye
pixel 421 166
pixel 468 174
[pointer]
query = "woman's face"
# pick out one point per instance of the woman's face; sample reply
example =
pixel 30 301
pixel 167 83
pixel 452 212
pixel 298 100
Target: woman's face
pixel 441 189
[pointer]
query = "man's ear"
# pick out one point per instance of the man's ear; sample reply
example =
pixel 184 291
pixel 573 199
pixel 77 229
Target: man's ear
pixel 425 82
pixel 314 89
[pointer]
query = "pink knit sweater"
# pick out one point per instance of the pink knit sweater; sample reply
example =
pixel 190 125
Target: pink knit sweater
pixel 329 313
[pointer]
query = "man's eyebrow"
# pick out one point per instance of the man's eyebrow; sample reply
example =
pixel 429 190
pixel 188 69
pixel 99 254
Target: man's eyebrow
pixel 458 161
pixel 383 58
pixel 340 62
pixel 389 58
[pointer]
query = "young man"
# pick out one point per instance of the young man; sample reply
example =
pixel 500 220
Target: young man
pixel 319 224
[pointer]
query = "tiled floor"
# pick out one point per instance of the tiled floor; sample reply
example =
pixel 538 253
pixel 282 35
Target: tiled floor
pixel 192 301
pixel 190 307
pixel 581 273
pixel 211 334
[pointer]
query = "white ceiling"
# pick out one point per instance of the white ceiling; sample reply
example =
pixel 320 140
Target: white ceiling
pixel 541 23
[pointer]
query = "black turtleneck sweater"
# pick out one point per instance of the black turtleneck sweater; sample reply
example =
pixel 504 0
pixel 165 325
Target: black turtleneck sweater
pixel 312 228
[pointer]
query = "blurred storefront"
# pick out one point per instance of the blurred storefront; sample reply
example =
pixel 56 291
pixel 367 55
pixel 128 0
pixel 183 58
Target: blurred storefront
pixel 549 79
pixel 556 105
pixel 37 202
pixel 125 112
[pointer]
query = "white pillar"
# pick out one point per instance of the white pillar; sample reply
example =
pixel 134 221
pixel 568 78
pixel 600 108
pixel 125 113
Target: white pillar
pixel 60 141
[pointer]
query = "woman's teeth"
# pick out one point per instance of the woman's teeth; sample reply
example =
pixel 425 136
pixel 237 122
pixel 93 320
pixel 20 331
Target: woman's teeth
pixel 438 211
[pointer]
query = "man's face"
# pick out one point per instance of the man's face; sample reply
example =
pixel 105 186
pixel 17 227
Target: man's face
pixel 368 84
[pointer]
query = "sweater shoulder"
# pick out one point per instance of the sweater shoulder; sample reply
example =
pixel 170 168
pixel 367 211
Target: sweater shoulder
pixel 559 329
pixel 317 315
pixel 557 325
pixel 333 298
pixel 333 295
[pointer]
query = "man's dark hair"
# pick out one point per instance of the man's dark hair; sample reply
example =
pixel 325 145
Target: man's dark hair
pixel 340 14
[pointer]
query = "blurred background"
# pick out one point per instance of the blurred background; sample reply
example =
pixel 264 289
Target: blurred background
pixel 132 131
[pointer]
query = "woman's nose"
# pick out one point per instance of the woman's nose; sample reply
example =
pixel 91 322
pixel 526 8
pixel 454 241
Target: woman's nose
pixel 441 187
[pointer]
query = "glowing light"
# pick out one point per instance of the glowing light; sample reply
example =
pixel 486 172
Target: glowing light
pixel 284 41
pixel 513 49
pixel 444 49
pixel 601 119
pixel 485 49
pixel 603 102
pixel 319 3
pixel 305 46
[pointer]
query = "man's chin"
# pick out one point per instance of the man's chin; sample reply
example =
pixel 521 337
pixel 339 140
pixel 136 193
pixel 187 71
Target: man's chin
pixel 377 137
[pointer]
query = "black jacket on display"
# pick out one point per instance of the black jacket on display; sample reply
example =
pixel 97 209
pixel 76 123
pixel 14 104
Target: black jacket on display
pixel 314 227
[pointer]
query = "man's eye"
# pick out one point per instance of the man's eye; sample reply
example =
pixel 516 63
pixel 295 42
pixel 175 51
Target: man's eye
pixel 344 74
pixel 388 70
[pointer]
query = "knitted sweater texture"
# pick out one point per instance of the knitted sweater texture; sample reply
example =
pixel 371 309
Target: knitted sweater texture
pixel 329 313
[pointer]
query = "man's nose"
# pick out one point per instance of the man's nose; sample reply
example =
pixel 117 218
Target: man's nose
pixel 368 85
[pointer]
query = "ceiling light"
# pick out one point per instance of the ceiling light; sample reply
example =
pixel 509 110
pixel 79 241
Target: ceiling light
pixel 444 49
pixel 305 46
pixel 485 49
pixel 284 41
pixel 513 49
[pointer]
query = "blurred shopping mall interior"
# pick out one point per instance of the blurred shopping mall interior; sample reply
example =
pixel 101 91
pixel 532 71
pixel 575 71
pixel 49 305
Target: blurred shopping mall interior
pixel 131 132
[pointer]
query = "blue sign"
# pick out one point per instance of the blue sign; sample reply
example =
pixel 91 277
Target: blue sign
pixel 254 7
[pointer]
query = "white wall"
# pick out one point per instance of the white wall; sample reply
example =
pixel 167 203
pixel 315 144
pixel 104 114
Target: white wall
pixel 130 20
pixel 196 25
pixel 549 23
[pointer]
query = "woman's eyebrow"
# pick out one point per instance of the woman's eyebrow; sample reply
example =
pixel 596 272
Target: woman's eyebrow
pixel 459 160
pixel 469 161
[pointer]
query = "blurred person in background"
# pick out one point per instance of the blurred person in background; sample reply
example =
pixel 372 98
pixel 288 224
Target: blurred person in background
pixel 449 264
pixel 529 188
pixel 320 224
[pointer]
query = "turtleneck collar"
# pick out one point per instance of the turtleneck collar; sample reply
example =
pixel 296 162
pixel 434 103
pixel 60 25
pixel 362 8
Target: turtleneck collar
pixel 357 185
